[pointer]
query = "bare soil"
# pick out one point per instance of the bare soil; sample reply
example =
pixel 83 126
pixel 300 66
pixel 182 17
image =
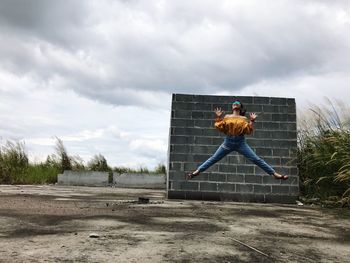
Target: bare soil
pixel 53 224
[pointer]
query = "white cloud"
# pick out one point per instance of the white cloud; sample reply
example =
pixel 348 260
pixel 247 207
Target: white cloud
pixel 101 78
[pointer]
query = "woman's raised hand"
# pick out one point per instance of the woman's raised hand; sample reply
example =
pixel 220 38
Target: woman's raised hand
pixel 253 116
pixel 219 112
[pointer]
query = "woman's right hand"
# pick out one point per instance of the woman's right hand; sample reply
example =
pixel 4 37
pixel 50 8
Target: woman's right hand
pixel 219 112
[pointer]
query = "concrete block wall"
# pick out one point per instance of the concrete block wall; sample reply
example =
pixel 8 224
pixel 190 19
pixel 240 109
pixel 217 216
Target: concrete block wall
pixel 85 178
pixel 148 181
pixel 193 139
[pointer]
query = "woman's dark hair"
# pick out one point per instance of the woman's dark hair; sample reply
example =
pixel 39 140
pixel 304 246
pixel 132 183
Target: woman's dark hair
pixel 242 110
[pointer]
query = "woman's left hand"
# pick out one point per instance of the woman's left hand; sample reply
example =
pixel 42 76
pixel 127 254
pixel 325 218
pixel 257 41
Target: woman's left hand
pixel 253 116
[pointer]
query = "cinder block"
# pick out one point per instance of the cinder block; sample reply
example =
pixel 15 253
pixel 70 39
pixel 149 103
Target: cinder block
pixel 287 144
pixel 270 126
pixel 184 97
pixel 217 177
pixel 279 117
pixel 175 166
pixel 227 168
pixel 292 117
pixel 203 106
pixel 226 187
pixel 264 151
pixel 182 123
pixel 290 109
pixel 280 189
pixel 181 139
pixel 207 186
pixel 202 149
pixel 260 134
pixel 181 157
pixel 245 169
pixel 190 166
pixel 244 188
pixel 208 115
pixel 187 131
pixel 280 152
pixel 203 140
pixel 269 179
pixel 185 185
pixel 270 108
pixel 200 158
pixel 182 114
pixel 180 148
pixel 288 161
pixel 176 175
pixel 278 101
pixel 254 108
pixel 290 102
pixel 288 126
pixel 264 117
pixel 197 115
pixel 214 132
pixel 239 178
pixel 256 143
pixel 203 123
pixel 262 189
pixel 273 160
pixel 283 109
pixel 251 178
pixel 182 106
pixel 236 159
pixel 217 140
pixel 261 100
pixel 280 134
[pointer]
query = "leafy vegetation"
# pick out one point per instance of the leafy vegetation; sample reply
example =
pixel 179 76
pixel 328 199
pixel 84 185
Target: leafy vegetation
pixel 323 156
pixel 15 167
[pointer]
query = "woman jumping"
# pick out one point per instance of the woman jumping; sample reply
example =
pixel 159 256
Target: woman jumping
pixel 235 126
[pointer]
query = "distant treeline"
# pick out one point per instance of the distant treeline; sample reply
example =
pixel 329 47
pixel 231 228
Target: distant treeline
pixel 15 167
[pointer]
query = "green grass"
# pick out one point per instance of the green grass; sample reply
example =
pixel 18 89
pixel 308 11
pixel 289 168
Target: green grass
pixel 16 169
pixel 41 174
pixel 323 156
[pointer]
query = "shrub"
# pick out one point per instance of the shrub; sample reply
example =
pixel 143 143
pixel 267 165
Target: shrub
pixel 323 156
pixel 13 162
pixel 98 163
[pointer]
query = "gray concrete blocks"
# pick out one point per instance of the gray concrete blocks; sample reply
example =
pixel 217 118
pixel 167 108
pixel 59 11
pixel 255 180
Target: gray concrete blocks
pixel 84 178
pixel 193 139
pixel 148 181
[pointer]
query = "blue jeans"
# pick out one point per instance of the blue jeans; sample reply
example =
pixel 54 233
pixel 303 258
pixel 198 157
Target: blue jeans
pixel 239 144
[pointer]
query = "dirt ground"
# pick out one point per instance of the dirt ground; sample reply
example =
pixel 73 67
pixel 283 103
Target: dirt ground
pixel 54 223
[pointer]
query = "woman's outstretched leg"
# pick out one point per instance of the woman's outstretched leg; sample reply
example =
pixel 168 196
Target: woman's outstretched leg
pixel 245 149
pixel 220 153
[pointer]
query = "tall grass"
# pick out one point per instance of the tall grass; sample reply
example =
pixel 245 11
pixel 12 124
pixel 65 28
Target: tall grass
pixel 13 162
pixel 323 156
pixel 98 163
pixel 41 174
pixel 16 169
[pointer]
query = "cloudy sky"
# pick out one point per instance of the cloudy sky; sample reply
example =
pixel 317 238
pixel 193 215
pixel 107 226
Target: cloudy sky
pixel 99 74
